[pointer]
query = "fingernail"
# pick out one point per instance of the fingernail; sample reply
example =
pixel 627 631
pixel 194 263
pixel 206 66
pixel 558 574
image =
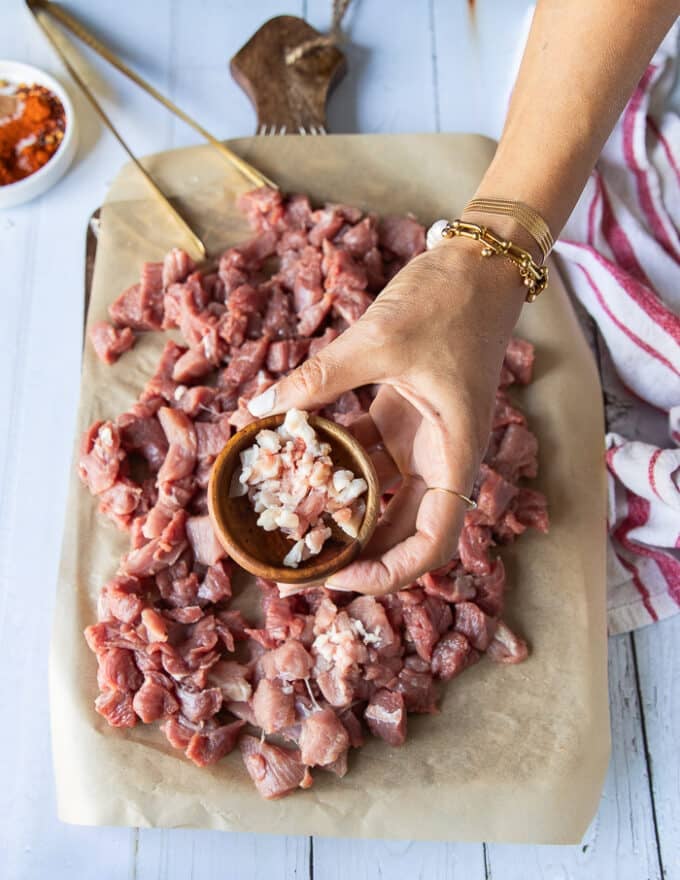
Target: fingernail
pixel 262 404
pixel 331 586
pixel 285 590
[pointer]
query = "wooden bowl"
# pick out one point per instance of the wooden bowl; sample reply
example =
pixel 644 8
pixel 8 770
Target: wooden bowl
pixel 261 552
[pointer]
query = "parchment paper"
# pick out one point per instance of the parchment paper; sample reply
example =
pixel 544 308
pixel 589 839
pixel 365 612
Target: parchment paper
pixel 518 753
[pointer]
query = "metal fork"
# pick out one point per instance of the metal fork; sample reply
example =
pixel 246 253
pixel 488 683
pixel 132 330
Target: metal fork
pixel 283 129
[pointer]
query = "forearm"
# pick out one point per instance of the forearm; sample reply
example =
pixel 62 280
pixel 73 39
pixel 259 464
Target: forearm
pixel 582 62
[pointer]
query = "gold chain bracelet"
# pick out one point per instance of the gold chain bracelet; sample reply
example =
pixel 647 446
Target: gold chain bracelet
pixel 534 277
pixel 527 218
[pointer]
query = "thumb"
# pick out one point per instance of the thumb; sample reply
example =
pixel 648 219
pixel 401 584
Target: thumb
pixel 342 365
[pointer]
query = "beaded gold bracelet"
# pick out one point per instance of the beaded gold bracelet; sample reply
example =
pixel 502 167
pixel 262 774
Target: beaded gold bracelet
pixel 534 277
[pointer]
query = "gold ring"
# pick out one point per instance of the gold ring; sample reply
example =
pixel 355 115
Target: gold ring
pixel 470 503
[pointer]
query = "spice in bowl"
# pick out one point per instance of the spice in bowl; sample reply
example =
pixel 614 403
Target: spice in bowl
pixel 32 126
pixel 293 485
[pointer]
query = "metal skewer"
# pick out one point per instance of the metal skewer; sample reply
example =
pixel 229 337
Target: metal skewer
pixel 73 25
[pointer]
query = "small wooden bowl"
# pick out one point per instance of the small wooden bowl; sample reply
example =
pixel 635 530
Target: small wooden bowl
pixel 260 552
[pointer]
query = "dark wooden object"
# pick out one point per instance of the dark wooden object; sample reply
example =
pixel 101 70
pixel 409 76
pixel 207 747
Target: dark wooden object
pixel 262 553
pixel 288 98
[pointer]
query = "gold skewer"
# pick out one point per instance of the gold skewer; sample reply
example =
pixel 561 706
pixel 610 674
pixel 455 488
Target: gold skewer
pixel 75 27
pixel 194 237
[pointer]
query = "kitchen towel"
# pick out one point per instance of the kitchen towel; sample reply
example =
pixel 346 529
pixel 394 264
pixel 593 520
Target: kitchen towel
pixel 620 256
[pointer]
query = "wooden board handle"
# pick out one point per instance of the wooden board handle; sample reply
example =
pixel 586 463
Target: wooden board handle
pixel 288 98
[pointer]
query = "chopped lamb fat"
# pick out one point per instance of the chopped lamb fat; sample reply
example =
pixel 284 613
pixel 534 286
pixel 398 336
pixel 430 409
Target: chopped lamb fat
pixel 323 665
pixel 287 473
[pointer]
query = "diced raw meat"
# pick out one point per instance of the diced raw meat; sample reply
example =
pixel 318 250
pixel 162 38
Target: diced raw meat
pixel 425 622
pixel 477 627
pixel 375 629
pixel 313 316
pixel 351 305
pixel 531 509
pixel 417 689
pixel 168 646
pixel 158 553
pixel 516 455
pixel 245 362
pixel 386 716
pixel 194 401
pixel 290 661
pixel 286 354
pixel 192 365
pixel 178 731
pixel 323 738
pixel 216 585
pixel 121 598
pixel 109 342
pixel 210 747
pixel 116 707
pixel 263 207
pixel 177 266
pixel 327 223
pixel 506 647
pixel 117 670
pixel 203 540
pixel 100 456
pixel 155 699
pixel 278 318
pixel 140 431
pixel 161 383
pixel 137 308
pixel 181 457
pixel 275 771
pixel 274 705
pixel 489 589
pixel 519 360
pixel 494 496
pixel 232 679
pixel 200 705
pixel 452 654
pixel 473 546
pixel 120 502
pixel 361 238
pixel 402 236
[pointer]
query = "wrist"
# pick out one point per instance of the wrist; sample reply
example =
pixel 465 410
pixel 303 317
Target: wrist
pixel 491 284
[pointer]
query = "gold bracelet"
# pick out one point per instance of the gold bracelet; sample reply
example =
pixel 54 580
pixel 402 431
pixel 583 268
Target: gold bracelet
pixel 534 277
pixel 527 218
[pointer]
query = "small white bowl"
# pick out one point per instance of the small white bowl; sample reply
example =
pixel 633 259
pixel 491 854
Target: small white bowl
pixel 41 180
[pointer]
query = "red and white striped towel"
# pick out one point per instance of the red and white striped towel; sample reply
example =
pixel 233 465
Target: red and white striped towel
pixel 620 256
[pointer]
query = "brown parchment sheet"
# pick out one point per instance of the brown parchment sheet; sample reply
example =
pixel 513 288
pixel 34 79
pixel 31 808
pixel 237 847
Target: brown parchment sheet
pixel 518 753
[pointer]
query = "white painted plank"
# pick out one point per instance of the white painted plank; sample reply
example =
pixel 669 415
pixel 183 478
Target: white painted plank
pixel 201 79
pixel 388 86
pixel 475 73
pixel 376 859
pixel 177 855
pixel 620 843
pixel 658 660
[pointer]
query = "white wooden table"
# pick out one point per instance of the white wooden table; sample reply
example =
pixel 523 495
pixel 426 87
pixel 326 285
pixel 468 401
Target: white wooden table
pixel 394 85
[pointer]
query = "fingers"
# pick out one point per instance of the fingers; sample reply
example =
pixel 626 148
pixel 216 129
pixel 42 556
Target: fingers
pixel 365 431
pixel 438 523
pixel 341 366
pixel 385 468
pixel 399 519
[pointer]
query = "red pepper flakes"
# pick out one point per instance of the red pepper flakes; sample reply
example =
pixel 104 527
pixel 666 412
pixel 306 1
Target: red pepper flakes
pixel 30 134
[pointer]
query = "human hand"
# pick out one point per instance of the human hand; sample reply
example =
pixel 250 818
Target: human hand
pixel 434 340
